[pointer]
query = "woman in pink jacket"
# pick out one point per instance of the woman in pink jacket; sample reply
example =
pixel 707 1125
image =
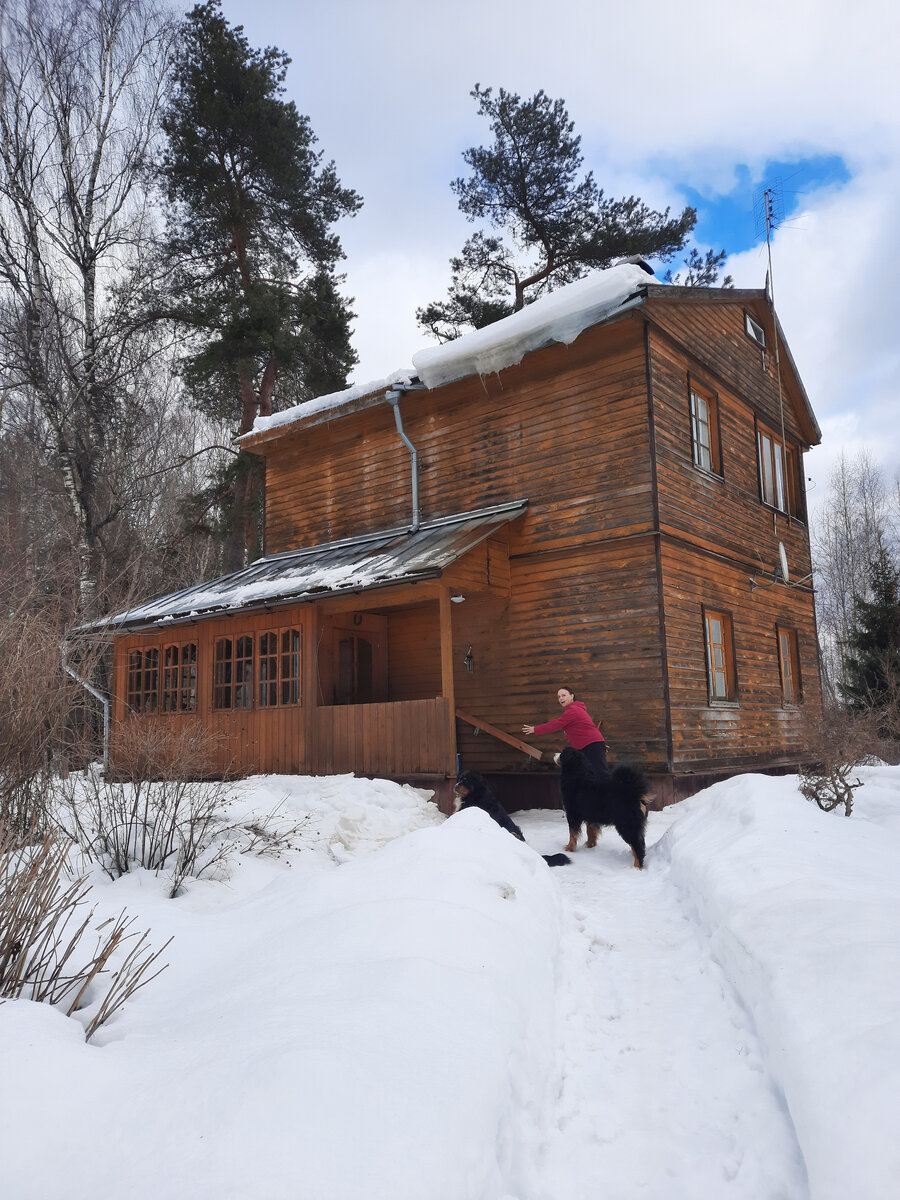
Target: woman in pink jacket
pixel 576 723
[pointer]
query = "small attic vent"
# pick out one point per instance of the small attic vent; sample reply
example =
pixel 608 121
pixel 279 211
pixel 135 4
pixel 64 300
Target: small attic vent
pixel 755 330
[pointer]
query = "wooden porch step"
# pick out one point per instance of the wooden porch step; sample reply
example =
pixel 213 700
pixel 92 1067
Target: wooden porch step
pixel 499 734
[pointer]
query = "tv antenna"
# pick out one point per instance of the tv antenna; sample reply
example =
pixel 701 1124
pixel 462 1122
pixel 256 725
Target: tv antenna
pixel 781 574
pixel 768 211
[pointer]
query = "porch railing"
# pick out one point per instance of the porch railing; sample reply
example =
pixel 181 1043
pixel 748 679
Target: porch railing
pixel 404 737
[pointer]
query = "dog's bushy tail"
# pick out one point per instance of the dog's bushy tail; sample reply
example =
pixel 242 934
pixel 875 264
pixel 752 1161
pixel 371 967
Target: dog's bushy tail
pixel 556 860
pixel 630 783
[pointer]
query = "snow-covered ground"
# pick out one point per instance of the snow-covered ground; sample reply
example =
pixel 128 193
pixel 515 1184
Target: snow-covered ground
pixel 414 1008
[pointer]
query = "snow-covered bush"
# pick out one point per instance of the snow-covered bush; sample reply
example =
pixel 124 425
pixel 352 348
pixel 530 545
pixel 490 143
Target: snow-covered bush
pixel 46 931
pixel 164 810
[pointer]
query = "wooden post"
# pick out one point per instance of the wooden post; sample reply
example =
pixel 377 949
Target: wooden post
pixel 447 688
pixel 310 687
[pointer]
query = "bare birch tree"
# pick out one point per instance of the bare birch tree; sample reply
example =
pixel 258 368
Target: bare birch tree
pixel 858 518
pixel 81 83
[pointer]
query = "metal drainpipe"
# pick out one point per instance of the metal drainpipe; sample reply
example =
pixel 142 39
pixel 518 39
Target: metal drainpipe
pixel 104 700
pixel 393 398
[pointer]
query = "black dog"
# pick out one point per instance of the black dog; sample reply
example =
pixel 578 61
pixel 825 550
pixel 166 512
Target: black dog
pixel 473 792
pixel 616 798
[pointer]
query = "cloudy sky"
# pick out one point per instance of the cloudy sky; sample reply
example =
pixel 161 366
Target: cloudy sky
pixel 698 102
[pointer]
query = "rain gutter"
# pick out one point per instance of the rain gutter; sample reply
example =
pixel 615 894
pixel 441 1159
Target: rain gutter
pixel 393 398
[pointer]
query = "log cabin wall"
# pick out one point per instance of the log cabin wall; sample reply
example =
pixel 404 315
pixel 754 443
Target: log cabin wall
pixel 567 428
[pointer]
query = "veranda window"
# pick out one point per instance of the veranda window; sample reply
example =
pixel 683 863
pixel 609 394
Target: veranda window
pixel 273 663
pixel 279 667
pixel 180 678
pixel 233 673
pixel 143 680
pixel 243 672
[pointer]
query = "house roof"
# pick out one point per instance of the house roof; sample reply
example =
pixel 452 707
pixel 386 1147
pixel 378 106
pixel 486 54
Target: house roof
pixel 557 317
pixel 360 564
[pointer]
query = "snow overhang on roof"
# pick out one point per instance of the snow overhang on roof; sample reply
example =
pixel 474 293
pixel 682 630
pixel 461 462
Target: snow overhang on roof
pixel 559 316
pixel 360 564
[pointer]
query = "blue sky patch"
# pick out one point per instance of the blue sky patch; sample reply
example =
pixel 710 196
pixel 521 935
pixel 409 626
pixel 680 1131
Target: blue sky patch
pixel 731 222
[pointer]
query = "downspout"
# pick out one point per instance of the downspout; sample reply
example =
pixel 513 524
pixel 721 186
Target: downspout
pixel 104 700
pixel 393 398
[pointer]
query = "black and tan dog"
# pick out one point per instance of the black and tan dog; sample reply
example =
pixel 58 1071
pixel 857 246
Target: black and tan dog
pixel 617 798
pixel 472 791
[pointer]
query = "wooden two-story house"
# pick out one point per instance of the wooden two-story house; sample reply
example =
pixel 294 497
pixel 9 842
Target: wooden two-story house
pixel 604 490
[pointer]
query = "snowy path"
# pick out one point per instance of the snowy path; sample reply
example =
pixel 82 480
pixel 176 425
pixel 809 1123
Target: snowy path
pixel 664 1082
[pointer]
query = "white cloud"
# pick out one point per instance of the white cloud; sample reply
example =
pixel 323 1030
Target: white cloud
pixel 837 292
pixel 660 93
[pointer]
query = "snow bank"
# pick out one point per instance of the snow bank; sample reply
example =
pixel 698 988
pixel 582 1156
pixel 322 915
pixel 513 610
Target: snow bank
pixel 559 316
pixel 375 1029
pixel 417 1008
pixel 802 910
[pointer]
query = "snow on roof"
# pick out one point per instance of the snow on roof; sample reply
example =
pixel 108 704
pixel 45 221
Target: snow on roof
pixel 399 378
pixel 559 316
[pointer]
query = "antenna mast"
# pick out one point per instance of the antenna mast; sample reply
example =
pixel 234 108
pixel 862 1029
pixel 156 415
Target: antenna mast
pixel 768 207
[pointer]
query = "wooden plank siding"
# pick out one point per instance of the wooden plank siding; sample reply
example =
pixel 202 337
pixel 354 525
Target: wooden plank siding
pixel 723 512
pixel 408 738
pixel 717 535
pixel 758 728
pixel 569 434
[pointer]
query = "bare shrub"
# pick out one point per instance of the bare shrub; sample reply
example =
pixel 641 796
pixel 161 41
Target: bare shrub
pixel 45 925
pixel 36 703
pixel 166 810
pixel 837 742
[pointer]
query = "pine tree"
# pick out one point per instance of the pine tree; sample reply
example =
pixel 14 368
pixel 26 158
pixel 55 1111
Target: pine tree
pixel 545 224
pixel 251 251
pixel 872 650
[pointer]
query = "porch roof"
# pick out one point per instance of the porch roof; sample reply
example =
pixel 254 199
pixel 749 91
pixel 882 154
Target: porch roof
pixel 360 564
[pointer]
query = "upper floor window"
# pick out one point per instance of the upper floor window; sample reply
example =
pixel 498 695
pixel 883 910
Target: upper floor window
pixel 789 665
pixel 705 429
pixel 754 330
pixel 720 670
pixel 142 692
pixel 779 479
